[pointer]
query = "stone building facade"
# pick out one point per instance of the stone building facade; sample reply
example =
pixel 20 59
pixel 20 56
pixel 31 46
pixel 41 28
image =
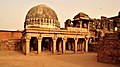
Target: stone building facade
pixel 42 32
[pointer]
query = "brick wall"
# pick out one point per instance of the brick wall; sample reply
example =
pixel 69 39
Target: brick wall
pixel 10 40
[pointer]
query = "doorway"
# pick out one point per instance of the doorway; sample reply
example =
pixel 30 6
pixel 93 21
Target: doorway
pixel 47 44
pixel 33 44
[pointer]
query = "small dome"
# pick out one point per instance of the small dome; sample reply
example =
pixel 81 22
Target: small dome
pixel 43 15
pixel 81 15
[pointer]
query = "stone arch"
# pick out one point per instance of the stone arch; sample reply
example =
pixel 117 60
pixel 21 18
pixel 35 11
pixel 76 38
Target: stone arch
pixel 47 43
pixel 33 44
pixel 81 44
pixel 70 44
pixel 59 44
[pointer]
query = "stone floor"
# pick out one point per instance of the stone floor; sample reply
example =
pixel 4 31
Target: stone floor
pixel 17 59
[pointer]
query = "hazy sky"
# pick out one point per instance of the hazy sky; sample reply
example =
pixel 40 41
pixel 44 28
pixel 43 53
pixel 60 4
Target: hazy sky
pixel 13 12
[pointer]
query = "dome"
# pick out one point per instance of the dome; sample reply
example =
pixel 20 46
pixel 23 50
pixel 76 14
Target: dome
pixel 81 15
pixel 42 16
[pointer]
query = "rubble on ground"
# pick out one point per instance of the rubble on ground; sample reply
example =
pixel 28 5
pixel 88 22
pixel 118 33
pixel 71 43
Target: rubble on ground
pixel 109 48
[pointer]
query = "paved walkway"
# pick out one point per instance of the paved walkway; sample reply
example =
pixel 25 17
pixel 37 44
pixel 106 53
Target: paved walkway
pixel 17 59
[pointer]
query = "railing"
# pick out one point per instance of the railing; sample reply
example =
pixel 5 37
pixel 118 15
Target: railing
pixel 77 29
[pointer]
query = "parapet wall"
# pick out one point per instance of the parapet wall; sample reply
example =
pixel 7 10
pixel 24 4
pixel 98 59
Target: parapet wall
pixel 10 40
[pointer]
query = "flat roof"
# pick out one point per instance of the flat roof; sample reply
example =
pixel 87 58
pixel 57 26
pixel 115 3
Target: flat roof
pixel 9 31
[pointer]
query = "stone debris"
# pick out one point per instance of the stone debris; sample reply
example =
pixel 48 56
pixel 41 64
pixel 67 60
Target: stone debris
pixel 109 48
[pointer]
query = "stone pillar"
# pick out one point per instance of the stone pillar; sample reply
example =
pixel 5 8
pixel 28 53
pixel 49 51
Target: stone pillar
pixel 86 45
pixel 75 48
pixel 54 47
pixel 27 46
pixel 88 25
pixel 39 46
pixel 54 44
pixel 43 20
pixel 46 20
pixel 49 22
pixel 54 23
pixel 81 24
pixel 88 29
pixel 64 45
pixel 40 22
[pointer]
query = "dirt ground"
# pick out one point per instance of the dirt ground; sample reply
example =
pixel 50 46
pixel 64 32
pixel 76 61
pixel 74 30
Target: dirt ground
pixel 17 59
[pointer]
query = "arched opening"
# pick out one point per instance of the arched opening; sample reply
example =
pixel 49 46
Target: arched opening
pixel 85 23
pixel 33 44
pixel 59 45
pixel 108 26
pixel 70 45
pixel 47 44
pixel 91 44
pixel 81 44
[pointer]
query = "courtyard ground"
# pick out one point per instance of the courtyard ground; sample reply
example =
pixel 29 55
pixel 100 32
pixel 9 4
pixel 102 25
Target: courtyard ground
pixel 17 59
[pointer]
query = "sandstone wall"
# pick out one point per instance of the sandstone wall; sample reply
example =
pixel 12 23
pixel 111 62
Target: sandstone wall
pixel 10 40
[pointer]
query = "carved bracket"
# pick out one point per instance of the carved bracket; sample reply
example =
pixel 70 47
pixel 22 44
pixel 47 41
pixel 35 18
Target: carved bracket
pixel 76 38
pixel 39 38
pixel 55 37
pixel 27 37
pixel 64 38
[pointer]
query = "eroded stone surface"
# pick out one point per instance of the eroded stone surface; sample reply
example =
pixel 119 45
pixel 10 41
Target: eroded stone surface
pixel 109 49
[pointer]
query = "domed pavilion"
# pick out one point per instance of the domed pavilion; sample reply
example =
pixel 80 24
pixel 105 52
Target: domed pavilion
pixel 42 32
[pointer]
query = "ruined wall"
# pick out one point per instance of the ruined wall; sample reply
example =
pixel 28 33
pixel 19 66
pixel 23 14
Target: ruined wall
pixel 10 40
pixel 109 48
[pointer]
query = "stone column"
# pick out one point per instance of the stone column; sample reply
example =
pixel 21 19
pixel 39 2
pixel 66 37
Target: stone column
pixel 88 29
pixel 88 26
pixel 39 44
pixel 54 44
pixel 64 45
pixel 86 45
pixel 80 23
pixel 40 22
pixel 27 46
pixel 75 48
pixel 46 20
pixel 49 22
pixel 54 47
pixel 43 20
